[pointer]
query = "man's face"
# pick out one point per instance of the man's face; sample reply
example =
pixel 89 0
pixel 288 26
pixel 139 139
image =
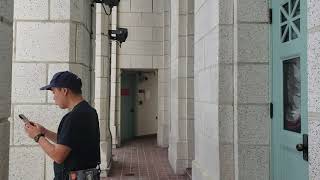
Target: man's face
pixel 60 97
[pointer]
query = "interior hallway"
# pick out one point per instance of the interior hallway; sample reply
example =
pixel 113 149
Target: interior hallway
pixel 142 159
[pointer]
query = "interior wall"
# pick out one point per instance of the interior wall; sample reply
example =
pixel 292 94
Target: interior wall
pixel 147 104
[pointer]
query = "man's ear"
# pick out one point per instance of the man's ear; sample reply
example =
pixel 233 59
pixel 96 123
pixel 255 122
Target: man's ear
pixel 65 91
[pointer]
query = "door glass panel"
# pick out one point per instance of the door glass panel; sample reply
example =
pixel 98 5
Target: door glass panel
pixel 292 95
pixel 293 3
pixel 294 35
pixel 297 11
pixel 297 23
pixel 283 29
pixel 285 35
pixel 286 7
pixel 283 17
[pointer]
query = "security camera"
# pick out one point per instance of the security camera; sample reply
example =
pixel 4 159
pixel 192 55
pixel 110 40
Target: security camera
pixel 109 3
pixel 120 35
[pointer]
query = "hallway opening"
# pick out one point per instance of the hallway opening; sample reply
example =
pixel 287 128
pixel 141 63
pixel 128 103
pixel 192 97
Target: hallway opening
pixel 139 104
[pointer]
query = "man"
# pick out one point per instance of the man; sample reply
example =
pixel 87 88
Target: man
pixel 75 148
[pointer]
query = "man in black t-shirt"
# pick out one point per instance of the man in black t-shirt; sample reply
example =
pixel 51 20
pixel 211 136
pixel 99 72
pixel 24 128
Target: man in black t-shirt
pixel 76 146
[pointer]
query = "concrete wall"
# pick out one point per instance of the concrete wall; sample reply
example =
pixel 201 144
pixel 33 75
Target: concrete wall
pixel 181 138
pixel 144 49
pixel 49 36
pixel 231 90
pixel 6 29
pixel 314 87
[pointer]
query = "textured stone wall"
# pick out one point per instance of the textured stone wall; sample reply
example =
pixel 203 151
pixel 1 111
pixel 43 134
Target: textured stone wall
pixel 49 36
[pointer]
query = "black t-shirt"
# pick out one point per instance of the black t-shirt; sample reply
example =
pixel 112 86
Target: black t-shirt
pixel 79 130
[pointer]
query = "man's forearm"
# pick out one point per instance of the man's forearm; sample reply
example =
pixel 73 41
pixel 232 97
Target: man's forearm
pixel 52 136
pixel 48 148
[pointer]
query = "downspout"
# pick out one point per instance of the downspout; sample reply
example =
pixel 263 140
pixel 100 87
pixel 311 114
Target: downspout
pixel 91 55
pixel 109 104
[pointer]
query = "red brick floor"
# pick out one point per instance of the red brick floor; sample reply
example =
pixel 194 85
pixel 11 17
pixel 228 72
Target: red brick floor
pixel 142 159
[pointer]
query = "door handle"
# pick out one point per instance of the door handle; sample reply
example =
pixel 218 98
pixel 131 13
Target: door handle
pixel 303 147
pixel 300 147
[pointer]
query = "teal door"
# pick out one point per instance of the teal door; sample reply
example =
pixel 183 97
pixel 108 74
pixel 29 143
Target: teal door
pixel 289 90
pixel 128 91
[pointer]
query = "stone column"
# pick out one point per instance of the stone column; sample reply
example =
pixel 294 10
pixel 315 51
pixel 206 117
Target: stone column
pixel 232 126
pixel 102 85
pixel 181 138
pixel 50 36
pixel 164 79
pixel 251 90
pixel 115 83
pixel 6 18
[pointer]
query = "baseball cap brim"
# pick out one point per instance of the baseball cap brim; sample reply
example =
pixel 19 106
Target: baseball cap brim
pixel 47 87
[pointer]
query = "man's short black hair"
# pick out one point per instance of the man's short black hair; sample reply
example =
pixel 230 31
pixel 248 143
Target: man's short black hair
pixel 76 91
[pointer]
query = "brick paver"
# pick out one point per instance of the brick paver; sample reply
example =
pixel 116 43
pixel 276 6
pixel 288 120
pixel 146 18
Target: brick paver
pixel 142 159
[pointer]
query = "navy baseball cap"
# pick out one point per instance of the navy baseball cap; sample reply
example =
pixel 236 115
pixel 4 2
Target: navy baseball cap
pixel 64 79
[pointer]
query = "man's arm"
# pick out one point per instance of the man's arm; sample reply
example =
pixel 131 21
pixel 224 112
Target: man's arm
pixel 57 152
pixel 52 136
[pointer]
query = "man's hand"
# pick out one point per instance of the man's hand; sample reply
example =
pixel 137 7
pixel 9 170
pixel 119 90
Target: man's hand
pixel 32 131
pixel 43 130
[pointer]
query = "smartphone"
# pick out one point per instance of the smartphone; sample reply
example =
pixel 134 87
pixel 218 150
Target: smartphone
pixel 25 119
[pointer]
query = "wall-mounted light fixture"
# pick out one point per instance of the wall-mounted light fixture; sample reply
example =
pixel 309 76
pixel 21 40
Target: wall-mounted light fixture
pixel 110 3
pixel 120 35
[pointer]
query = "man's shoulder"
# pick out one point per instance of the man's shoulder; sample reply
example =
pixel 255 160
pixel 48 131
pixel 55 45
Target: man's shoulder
pixel 84 106
pixel 84 110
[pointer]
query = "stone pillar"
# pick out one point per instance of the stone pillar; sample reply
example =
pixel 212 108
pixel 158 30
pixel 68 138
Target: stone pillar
pixel 6 19
pixel 181 138
pixel 115 83
pixel 251 90
pixel 314 87
pixel 102 85
pixel 206 86
pixel 50 36
pixel 164 78
pixel 232 126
